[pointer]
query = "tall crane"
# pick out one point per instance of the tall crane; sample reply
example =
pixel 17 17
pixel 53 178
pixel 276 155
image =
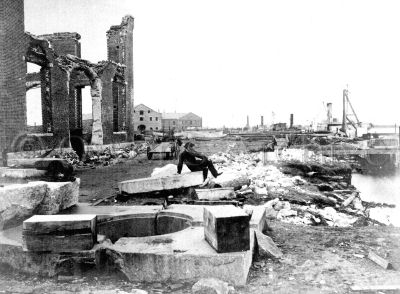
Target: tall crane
pixel 349 117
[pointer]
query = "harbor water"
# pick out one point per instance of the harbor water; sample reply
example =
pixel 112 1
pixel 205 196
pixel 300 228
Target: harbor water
pixel 381 189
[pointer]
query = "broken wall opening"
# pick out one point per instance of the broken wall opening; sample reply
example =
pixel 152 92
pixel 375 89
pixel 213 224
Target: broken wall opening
pixel 34 99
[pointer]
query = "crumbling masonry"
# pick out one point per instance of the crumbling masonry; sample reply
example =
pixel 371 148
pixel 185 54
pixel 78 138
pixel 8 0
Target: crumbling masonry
pixel 62 76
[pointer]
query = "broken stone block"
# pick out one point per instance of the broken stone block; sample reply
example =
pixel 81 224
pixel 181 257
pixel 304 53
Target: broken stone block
pixel 258 217
pixel 210 286
pixel 19 201
pixel 226 228
pixel 147 185
pixel 266 246
pixel 59 233
pixel 59 196
pixel 215 194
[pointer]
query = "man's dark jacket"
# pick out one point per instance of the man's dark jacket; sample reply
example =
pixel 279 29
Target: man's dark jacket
pixel 191 159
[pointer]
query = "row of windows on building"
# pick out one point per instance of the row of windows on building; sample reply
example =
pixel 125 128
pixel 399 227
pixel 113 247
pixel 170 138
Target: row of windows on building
pixel 141 112
pixel 151 118
pixel 173 122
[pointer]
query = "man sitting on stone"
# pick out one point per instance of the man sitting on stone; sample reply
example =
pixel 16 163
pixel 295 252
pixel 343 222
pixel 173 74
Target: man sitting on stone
pixel 196 161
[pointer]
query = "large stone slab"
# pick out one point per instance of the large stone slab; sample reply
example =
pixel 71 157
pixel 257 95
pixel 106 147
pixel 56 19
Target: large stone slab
pixel 59 233
pixel 19 201
pixel 183 255
pixel 168 170
pixel 226 228
pixel 38 163
pixel 147 185
pixel 21 173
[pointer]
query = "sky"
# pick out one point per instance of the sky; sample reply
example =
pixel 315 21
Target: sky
pixel 226 59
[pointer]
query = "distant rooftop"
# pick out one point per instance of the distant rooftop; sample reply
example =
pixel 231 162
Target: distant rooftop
pixel 172 115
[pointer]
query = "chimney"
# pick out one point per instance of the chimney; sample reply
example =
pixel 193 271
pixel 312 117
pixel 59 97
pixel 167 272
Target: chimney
pixel 329 112
pixel 291 120
pixel 262 121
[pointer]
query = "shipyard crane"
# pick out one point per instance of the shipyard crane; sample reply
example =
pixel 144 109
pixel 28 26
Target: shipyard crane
pixel 349 117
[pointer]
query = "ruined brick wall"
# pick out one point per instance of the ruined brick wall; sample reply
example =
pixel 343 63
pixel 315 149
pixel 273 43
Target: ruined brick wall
pixel 120 50
pixel 12 72
pixel 65 43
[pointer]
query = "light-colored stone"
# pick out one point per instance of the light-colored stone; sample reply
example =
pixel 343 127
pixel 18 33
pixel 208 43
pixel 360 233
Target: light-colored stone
pixel 258 217
pixel 266 246
pixel 210 286
pixel 232 179
pixel 19 201
pixel 215 194
pixel 260 191
pixel 286 213
pixel 59 196
pixel 21 173
pixel 147 185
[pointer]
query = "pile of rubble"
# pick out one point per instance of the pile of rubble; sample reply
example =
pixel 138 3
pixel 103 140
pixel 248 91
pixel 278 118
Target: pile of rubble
pixel 107 156
pixel 310 194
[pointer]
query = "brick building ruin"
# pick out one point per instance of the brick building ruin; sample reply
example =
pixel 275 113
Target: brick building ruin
pixel 62 76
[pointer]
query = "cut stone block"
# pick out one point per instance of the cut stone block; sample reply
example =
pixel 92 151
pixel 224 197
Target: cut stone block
pixel 59 233
pixel 226 228
pixel 147 185
pixel 258 217
pixel 215 194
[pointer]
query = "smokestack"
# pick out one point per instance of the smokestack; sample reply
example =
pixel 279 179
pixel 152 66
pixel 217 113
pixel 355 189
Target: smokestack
pixel 329 112
pixel 262 120
pixel 291 120
pixel 248 124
